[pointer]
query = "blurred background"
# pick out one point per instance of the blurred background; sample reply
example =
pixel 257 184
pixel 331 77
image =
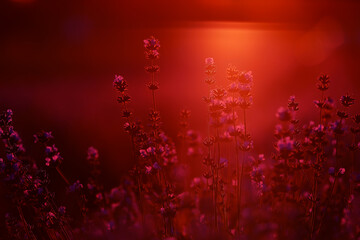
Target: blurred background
pixel 58 60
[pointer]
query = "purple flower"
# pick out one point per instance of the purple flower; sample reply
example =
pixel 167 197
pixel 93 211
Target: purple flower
pixel 148 169
pixel 120 84
pixel 292 104
pixel 10 156
pixel 99 196
pixel 43 137
pixel 337 127
pixel 218 93
pixel 53 157
pixel 319 128
pixel 150 150
pixel 216 105
pixel 209 61
pixel 151 43
pixel 156 166
pixel 110 226
pixel 7 116
pixel 226 136
pixel 16 166
pixel 152 54
pixel 76 186
pixel 323 82
pixel 239 130
pixel 329 103
pixel 93 153
pixel 210 70
pixel 244 89
pixel 356 118
pixel 48 150
pixel 246 77
pixel 195 182
pixel 62 210
pixel 341 171
pixel 247 145
pixel 285 144
pixel 152 69
pixel 143 153
pixel 232 73
pixel 90 186
pixel 347 101
pixel 245 102
pixel 233 87
pixel 283 114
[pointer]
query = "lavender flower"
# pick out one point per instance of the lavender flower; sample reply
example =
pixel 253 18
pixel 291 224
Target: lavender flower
pixel 151 44
pixel 210 71
pixel 285 145
pixel 283 114
pixel 323 82
pixel 76 186
pixel 347 101
pixel 120 84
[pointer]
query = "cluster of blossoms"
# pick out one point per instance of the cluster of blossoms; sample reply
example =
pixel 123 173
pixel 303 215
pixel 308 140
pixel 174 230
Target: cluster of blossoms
pixel 37 214
pixel 238 101
pixel 121 85
pixel 190 139
pixel 210 71
pixel 152 46
pixel 154 155
pixel 27 186
pixel 240 97
pixel 212 160
pixel 53 157
pixel 224 128
pixel 257 173
pixel 314 151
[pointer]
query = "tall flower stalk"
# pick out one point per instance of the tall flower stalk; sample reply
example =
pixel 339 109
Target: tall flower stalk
pixel 209 160
pixel 246 144
pixel 216 105
pixel 162 150
pixel 354 147
pixel 322 85
pixel 338 130
pixel 152 46
pixel 235 131
pixel 216 108
pixel 132 127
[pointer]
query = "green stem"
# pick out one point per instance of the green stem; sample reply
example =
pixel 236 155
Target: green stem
pixel 242 170
pixel 28 231
pixel 315 184
pixel 327 204
pixel 62 175
pixel 217 177
pixel 237 173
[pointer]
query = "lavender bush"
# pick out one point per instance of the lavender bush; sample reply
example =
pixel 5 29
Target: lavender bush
pixel 307 188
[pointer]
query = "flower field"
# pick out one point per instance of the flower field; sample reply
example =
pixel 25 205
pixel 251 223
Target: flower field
pixel 195 184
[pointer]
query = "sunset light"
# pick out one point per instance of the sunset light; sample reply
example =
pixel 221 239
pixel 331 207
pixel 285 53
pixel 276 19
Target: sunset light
pixel 180 120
